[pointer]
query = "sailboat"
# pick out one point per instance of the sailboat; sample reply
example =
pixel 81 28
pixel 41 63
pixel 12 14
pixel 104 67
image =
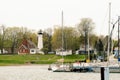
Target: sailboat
pixel 59 66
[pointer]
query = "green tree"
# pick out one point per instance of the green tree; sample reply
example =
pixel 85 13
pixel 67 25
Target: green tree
pixel 105 42
pixel 115 42
pixel 14 36
pixel 100 46
pixel 47 43
pixel 69 38
pixel 93 38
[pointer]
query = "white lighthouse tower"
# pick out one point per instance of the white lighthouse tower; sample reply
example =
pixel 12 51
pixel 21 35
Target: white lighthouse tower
pixel 40 42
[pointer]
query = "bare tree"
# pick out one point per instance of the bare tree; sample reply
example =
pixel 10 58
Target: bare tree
pixel 84 27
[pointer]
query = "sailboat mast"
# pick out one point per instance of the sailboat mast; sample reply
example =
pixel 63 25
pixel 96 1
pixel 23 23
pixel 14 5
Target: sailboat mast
pixel 108 51
pixel 118 37
pixel 62 35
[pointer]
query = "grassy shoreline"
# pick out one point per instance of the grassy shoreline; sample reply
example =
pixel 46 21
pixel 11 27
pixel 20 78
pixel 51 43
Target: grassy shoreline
pixel 6 60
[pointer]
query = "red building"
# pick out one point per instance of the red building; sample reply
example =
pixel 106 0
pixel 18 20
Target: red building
pixel 27 47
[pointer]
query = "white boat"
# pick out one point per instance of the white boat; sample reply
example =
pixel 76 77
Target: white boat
pixel 70 67
pixel 81 67
pixel 60 67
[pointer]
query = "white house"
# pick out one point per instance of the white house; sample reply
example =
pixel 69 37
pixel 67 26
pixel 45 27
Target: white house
pixel 64 53
pixel 4 51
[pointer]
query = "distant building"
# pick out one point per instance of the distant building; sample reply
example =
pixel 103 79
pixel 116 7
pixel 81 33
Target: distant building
pixel 64 53
pixel 27 47
pixel 4 51
pixel 82 51
pixel 40 42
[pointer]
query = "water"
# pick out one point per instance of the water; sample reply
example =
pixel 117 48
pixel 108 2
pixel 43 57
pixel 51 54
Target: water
pixel 41 72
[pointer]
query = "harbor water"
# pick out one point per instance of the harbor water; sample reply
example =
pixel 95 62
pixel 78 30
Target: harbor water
pixel 41 72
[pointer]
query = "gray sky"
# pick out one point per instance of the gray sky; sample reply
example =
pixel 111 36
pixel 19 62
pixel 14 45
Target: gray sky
pixel 42 14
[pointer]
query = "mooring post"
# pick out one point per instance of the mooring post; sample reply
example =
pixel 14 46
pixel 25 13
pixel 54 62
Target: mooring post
pixel 104 73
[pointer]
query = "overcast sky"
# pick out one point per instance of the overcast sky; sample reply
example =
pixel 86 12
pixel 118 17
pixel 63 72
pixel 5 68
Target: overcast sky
pixel 42 14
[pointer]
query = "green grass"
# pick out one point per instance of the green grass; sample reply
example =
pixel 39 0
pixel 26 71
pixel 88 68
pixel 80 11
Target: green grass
pixel 36 59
